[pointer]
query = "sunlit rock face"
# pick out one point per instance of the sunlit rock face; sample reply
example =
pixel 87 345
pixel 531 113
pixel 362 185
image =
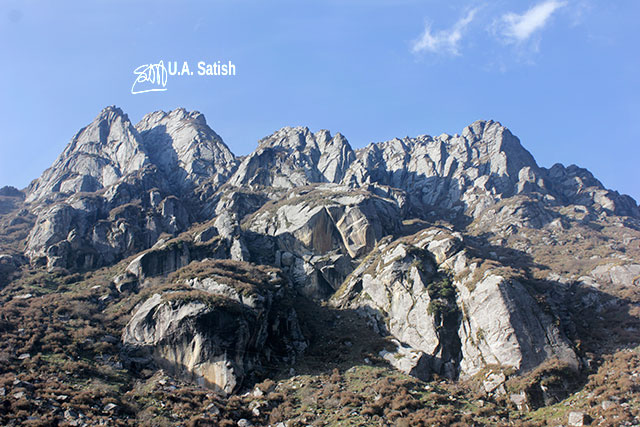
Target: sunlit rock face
pixel 213 328
pixel 441 242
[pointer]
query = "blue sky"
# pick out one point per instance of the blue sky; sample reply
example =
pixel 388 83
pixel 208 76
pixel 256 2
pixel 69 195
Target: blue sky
pixel 564 76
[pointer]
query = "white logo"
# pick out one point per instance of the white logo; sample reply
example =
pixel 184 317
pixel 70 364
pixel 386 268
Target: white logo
pixel 153 74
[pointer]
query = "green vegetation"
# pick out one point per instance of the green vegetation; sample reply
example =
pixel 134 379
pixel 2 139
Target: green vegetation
pixel 443 297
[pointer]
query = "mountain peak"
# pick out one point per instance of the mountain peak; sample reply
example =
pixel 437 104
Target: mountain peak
pixel 288 137
pixel 178 142
pixel 97 156
pixel 152 119
pixel 294 156
pixel 184 146
pixel 111 109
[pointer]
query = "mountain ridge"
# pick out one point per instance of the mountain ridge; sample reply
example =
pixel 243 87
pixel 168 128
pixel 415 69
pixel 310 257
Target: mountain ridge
pixel 459 252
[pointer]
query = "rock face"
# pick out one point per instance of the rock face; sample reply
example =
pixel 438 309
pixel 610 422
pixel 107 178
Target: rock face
pixel 409 361
pixel 97 157
pixel 575 185
pixel 84 232
pixel 293 157
pixel 319 231
pixel 222 321
pixel 440 242
pixel 185 148
pixel 467 173
pixel 426 291
pixel 116 188
pixel 167 257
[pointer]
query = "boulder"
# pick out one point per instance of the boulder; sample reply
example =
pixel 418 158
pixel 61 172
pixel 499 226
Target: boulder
pixel 221 323
pixel 409 361
pixel 577 419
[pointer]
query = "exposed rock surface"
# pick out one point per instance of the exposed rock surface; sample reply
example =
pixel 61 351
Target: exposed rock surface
pixel 293 157
pixel 97 157
pixel 436 240
pixel 182 145
pixel 467 173
pixel 168 257
pixel 83 232
pixel 426 291
pixel 319 231
pixel 220 323
pixel 408 360
pixel 615 274
pixel 119 187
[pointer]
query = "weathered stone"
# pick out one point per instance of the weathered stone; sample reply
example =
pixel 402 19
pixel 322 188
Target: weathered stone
pixel 215 333
pixel 409 361
pixel 520 400
pixel 607 404
pixel 187 150
pixel 294 157
pixel 484 321
pixel 126 282
pixel 325 230
pixel 494 383
pixel 100 177
pixel 577 419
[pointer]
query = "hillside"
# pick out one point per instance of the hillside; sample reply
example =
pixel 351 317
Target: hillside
pixel 152 277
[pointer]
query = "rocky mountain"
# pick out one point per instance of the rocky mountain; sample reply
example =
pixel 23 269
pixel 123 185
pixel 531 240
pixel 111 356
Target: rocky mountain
pixel 455 258
pixel 293 157
pixel 117 188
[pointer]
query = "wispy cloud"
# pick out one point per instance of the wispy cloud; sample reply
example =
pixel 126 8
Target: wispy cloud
pixel 519 28
pixel 444 41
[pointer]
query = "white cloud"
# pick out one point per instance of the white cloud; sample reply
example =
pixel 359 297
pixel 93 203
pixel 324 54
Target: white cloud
pixel 444 41
pixel 519 28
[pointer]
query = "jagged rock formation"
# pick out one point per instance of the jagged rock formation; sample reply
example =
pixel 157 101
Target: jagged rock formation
pixel 223 320
pixel 437 240
pixel 426 291
pixel 294 157
pixel 467 173
pixel 318 233
pixel 185 148
pixel 108 149
pixel 117 188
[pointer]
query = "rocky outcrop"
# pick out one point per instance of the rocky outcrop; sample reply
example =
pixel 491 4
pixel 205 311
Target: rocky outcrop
pixel 316 233
pixel 626 275
pixel 118 188
pixel 166 257
pixel 218 326
pixel 359 228
pixel 185 148
pixel 466 173
pixel 294 157
pixel 83 232
pixel 97 157
pixel 178 144
pixel 577 186
pixel 408 360
pixel 528 339
pixel 9 191
pixel 461 173
pixel 428 293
